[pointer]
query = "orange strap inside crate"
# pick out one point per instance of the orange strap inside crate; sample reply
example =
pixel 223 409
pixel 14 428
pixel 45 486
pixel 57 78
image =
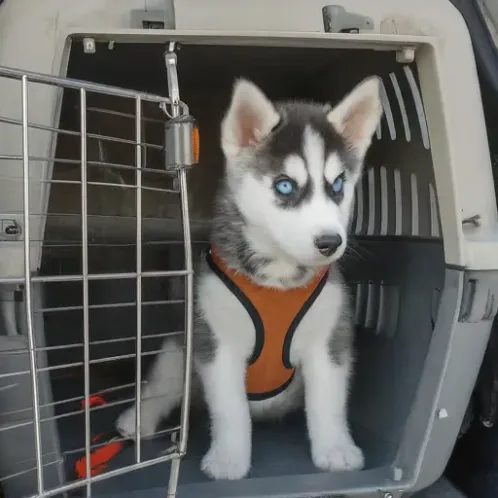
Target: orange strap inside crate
pixel 101 456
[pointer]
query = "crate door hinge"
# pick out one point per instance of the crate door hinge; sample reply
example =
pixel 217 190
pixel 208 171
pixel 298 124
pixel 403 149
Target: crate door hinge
pixel 336 19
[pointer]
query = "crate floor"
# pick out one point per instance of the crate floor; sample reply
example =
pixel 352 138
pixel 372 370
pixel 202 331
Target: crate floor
pixel 280 448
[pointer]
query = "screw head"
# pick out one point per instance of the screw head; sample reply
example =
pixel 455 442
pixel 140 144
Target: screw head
pixel 442 413
pixel 388 495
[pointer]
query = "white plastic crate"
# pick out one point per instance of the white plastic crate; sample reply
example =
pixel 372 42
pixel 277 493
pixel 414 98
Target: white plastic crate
pixel 424 229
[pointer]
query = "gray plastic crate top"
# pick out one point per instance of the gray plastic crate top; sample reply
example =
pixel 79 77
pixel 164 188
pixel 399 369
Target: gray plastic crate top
pixel 424 227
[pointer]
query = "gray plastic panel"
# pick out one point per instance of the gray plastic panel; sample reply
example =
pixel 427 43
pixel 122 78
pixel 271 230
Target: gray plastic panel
pixel 17 458
pixel 441 489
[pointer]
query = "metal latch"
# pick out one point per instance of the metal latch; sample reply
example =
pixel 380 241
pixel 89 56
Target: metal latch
pixel 336 19
pixel 9 229
pixel 150 18
pixel 181 132
pixel 181 143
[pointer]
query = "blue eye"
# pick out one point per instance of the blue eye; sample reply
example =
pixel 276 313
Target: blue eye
pixel 284 187
pixel 338 185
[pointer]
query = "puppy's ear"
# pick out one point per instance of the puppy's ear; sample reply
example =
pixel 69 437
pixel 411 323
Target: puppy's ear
pixel 357 115
pixel 249 119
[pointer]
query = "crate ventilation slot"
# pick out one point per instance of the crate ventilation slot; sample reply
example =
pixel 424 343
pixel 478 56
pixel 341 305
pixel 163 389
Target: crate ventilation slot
pixel 376 307
pixel 391 201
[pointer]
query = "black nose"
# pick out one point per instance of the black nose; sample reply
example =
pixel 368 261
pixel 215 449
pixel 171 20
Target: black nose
pixel 328 243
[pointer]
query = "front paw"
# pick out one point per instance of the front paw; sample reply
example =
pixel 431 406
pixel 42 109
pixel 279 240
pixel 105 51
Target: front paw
pixel 225 462
pixel 338 455
pixel 125 424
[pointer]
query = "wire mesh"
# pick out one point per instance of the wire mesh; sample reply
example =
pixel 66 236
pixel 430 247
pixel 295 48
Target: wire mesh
pixel 79 329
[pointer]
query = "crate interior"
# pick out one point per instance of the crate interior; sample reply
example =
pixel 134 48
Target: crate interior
pixel 395 265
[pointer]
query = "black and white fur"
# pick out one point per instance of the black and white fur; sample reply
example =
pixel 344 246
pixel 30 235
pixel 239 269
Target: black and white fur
pixel 272 239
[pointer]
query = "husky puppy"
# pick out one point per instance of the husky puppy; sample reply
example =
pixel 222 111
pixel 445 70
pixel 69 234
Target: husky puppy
pixel 273 320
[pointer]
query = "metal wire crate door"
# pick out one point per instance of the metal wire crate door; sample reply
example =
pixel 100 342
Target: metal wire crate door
pixel 22 238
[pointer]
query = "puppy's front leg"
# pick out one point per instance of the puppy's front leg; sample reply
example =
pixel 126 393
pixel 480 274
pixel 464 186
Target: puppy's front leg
pixel 223 378
pixel 326 391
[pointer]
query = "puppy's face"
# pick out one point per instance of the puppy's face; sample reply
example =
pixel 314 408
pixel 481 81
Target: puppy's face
pixel 292 168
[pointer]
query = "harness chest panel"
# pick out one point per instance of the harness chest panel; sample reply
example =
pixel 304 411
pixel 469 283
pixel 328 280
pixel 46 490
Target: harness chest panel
pixel 275 313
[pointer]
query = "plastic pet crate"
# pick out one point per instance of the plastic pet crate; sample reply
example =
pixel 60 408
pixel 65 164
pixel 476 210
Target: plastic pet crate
pixel 109 239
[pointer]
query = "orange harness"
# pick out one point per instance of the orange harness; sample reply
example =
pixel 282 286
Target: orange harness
pixel 275 313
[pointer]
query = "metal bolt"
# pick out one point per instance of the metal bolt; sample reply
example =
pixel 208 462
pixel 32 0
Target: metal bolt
pixel 388 495
pixel 89 46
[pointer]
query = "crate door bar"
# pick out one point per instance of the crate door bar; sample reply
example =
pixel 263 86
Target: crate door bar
pixel 27 286
pixel 189 310
pixel 170 60
pixel 174 94
pixel 84 271
pixel 138 200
